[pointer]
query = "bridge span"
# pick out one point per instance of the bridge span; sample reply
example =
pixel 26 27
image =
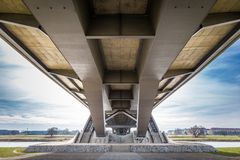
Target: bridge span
pixel 120 58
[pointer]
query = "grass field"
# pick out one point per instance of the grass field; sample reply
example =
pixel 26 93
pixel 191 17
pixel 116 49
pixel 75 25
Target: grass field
pixel 230 151
pixel 29 138
pixel 207 138
pixel 11 151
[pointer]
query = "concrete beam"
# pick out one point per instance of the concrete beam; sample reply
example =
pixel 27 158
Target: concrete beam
pixel 120 77
pixel 111 116
pixel 121 126
pixel 121 112
pixel 175 22
pixel 165 84
pixel 109 26
pixel 135 101
pixel 106 102
pixel 13 41
pixel 77 91
pixel 216 19
pixel 108 113
pixel 129 115
pixel 19 19
pixel 164 91
pixel 121 104
pixel 65 23
pixel 62 72
pixel 120 95
pixel 229 39
pixel 180 72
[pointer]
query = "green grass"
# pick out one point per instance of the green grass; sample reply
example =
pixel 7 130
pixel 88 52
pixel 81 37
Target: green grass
pixel 229 151
pixel 35 138
pixel 207 138
pixel 11 151
pixel 17 151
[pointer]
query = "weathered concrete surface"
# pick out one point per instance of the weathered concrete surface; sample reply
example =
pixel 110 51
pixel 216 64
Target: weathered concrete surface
pixel 127 156
pixel 175 148
pixel 138 148
pixel 81 148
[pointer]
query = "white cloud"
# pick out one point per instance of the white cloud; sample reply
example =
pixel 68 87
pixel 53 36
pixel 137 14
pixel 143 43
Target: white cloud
pixel 204 101
pixel 31 85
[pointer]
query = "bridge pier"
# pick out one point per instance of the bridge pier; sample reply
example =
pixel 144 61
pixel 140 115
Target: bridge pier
pixel 153 135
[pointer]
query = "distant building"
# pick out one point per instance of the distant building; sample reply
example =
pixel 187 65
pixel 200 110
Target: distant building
pixel 9 132
pixel 178 131
pixel 203 131
pixel 208 132
pixel 41 132
pixel 170 132
pixel 34 132
pixel 67 132
pixel 224 131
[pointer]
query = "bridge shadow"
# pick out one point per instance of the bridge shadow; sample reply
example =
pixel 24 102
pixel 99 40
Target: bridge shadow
pixel 125 156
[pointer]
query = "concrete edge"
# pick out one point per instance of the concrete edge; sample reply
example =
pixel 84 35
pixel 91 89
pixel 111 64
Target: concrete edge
pixel 137 148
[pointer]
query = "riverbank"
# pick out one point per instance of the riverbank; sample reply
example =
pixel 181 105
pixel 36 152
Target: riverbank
pixel 206 138
pixel 34 138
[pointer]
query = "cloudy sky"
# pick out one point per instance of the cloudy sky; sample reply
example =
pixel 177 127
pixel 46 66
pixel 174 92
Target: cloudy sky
pixel 29 99
pixel 210 99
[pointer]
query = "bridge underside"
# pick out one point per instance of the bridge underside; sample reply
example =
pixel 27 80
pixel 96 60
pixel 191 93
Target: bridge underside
pixel 120 58
pixel 121 134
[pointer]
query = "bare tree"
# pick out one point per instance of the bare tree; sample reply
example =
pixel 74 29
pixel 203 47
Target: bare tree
pixel 52 131
pixel 196 131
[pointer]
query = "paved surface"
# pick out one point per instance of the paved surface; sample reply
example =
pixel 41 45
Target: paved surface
pixel 129 156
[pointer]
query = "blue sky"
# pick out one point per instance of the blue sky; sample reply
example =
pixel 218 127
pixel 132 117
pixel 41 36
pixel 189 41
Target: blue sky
pixel 210 99
pixel 29 99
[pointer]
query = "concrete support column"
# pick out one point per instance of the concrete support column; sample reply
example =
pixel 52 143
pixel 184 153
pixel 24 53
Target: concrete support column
pixel 65 23
pixel 174 22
